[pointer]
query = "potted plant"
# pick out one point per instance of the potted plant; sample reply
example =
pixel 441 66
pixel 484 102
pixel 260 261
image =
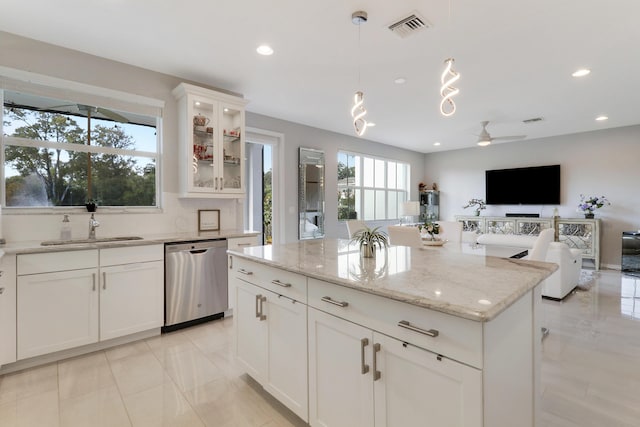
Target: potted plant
pixel 479 203
pixel 91 205
pixel 368 239
pixel 588 205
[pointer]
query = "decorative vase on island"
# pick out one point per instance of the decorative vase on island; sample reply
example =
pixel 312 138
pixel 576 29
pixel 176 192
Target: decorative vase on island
pixel 589 215
pixel 477 212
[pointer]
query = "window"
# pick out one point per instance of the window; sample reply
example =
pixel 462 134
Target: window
pixel 370 188
pixel 63 153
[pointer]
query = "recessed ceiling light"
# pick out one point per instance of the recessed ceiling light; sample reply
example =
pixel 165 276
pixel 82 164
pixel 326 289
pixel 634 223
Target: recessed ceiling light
pixel 484 302
pixel 581 72
pixel 265 50
pixel 602 118
pixel 226 110
pixel 370 124
pixel 197 103
pixel 436 143
pixel 400 81
pixel 483 143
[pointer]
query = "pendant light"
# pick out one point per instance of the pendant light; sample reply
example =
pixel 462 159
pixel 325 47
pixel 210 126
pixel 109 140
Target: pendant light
pixel 447 79
pixel 358 111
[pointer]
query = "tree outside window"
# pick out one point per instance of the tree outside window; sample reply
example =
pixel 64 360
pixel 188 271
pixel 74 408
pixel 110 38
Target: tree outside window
pixel 52 158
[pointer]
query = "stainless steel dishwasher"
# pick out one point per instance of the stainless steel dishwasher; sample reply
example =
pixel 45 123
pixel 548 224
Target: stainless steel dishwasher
pixel 195 282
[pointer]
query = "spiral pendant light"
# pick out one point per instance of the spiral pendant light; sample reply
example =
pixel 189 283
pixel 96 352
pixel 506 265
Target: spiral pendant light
pixel 447 90
pixel 358 112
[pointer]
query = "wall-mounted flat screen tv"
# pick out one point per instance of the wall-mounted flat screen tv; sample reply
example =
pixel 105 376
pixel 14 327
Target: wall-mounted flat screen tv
pixel 539 185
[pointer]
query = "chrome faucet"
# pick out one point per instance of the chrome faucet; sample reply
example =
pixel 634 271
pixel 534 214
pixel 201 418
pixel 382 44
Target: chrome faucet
pixel 92 227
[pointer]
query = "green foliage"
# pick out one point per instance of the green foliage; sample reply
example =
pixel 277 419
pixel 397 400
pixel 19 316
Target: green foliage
pixel 117 180
pixel 267 208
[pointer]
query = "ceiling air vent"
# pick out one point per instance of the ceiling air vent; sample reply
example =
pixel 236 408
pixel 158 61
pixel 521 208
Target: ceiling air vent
pixel 409 25
pixel 533 120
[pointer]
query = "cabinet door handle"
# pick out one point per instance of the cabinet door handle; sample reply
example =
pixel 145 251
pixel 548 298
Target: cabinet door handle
pixel 1 291
pixel 215 187
pixel 258 305
pixel 221 184
pixel 431 332
pixel 93 276
pixel 245 272
pixel 376 373
pixel 338 303
pixel 262 315
pixel 1 273
pixel 363 343
pixel 104 280
pixel 244 244
pixel 279 283
pixel 230 262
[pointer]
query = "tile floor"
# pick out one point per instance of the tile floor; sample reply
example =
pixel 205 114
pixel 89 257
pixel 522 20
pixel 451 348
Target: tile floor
pixel 590 374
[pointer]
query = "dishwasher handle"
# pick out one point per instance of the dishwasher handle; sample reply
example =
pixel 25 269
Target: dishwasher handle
pixel 198 251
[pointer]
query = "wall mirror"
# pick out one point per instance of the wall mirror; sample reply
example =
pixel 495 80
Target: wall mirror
pixel 311 194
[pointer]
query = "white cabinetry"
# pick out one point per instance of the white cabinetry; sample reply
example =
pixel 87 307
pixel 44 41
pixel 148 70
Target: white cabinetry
pixel 7 309
pixel 66 300
pixel 236 244
pixel 211 154
pixel 131 290
pixel 58 301
pixel 384 381
pixel 271 331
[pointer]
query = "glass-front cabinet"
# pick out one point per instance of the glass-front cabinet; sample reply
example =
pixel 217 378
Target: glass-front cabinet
pixel 212 142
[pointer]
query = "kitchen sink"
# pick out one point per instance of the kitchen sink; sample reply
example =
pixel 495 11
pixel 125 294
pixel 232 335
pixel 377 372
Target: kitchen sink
pixel 80 241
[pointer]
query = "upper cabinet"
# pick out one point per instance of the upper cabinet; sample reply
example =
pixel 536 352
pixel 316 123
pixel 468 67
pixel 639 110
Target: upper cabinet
pixel 211 126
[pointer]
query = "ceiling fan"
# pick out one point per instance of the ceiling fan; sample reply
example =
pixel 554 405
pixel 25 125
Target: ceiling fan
pixel 485 137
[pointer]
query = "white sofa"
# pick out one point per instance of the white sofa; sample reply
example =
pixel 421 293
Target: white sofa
pixel 563 280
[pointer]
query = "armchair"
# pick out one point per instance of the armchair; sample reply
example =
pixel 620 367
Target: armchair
pixel 565 279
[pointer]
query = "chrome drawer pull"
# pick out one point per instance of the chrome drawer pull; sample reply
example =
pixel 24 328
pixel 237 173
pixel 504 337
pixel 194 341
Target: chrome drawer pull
pixel 104 280
pixel 244 244
pixel 279 283
pixel 338 303
pixel 245 272
pixel 94 281
pixel 431 332
pixel 376 373
pixel 258 305
pixel 363 343
pixel 262 315
pixel 1 291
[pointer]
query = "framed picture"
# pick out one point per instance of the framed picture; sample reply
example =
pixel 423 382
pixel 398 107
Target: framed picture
pixel 208 219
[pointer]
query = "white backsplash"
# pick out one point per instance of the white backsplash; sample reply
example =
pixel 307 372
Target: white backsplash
pixel 176 215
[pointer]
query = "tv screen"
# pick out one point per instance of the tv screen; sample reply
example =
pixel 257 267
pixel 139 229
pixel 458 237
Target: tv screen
pixel 538 185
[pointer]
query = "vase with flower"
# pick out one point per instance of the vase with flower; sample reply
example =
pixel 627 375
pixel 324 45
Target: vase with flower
pixel 431 229
pixel 589 204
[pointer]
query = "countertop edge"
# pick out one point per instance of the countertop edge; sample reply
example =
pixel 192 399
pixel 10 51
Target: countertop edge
pixel 34 247
pixel 454 310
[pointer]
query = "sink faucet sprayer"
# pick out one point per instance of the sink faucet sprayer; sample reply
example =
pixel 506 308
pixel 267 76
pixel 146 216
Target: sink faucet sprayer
pixel 92 227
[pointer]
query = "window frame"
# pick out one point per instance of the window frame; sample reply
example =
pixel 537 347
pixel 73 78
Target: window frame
pixel 50 87
pixel 359 181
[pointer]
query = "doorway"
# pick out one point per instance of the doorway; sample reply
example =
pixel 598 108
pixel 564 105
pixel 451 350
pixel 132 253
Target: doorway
pixel 264 196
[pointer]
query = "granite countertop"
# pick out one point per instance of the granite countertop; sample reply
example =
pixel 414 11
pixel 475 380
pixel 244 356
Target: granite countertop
pixel 445 279
pixel 32 247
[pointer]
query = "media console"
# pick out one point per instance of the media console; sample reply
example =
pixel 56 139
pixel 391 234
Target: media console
pixel 580 233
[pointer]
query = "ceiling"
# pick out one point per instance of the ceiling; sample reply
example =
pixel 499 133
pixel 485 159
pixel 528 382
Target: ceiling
pixel 515 59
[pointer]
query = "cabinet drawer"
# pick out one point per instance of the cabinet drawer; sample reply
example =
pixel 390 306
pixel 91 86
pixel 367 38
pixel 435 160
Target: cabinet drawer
pixel 281 282
pixel 238 243
pixel 458 339
pixel 57 261
pixel 131 254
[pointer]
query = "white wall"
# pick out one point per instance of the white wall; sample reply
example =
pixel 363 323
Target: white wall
pixel 297 135
pixel 177 214
pixel 592 163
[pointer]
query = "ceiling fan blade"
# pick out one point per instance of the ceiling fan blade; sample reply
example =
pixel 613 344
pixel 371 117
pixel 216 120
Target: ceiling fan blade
pixel 511 137
pixel 112 115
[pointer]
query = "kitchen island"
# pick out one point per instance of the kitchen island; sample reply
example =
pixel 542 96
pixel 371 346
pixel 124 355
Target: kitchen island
pixel 429 336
